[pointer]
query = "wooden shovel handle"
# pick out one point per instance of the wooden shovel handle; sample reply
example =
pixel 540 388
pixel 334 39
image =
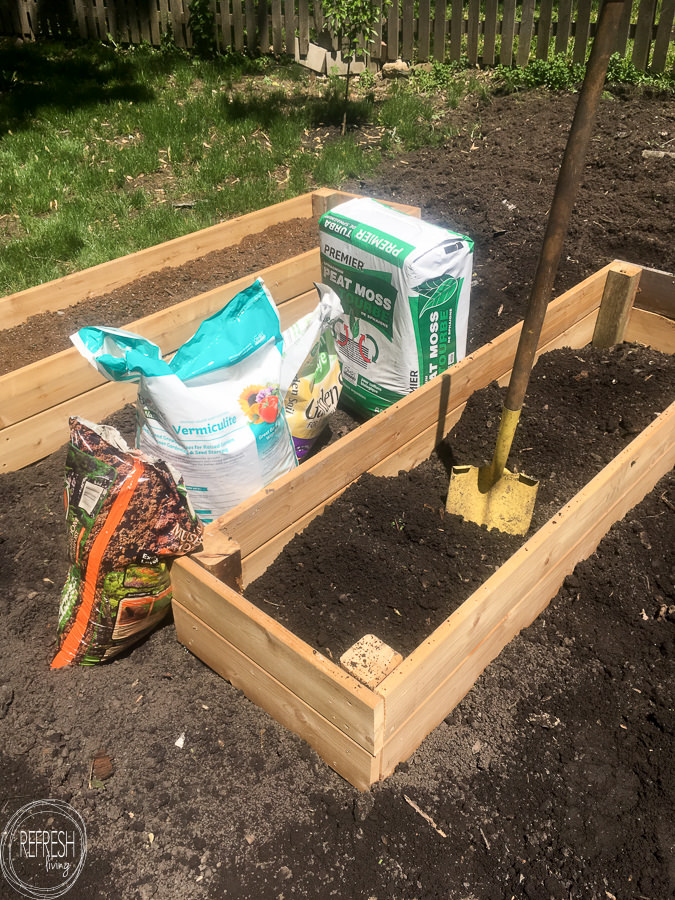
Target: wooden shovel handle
pixel 563 199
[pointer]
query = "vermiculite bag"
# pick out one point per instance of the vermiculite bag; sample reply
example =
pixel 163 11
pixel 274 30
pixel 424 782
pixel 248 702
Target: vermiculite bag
pixel 214 411
pixel 405 289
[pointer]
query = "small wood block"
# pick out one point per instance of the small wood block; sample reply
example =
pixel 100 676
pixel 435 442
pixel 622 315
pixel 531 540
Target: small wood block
pixel 222 557
pixel 370 660
pixel 315 58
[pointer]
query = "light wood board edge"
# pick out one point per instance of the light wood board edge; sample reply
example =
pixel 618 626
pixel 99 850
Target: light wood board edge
pixel 320 683
pixel 71 289
pixel 657 292
pixel 651 329
pixel 325 199
pixel 359 767
pixel 423 690
pixel 50 381
pixel 270 511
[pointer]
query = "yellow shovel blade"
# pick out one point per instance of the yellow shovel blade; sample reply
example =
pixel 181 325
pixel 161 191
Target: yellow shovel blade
pixel 507 505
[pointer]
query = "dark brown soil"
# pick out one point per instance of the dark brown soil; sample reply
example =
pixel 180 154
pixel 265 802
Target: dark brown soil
pixel 385 558
pixel 553 777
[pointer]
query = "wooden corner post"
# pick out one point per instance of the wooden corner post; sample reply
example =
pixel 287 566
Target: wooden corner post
pixel 617 301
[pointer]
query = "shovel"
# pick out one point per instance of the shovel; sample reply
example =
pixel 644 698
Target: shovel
pixel 491 495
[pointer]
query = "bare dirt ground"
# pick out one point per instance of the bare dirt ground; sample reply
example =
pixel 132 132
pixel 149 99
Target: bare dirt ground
pixel 553 777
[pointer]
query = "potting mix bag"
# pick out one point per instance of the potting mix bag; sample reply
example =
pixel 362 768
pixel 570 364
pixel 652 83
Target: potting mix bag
pixel 310 372
pixel 126 516
pixel 214 411
pixel 405 289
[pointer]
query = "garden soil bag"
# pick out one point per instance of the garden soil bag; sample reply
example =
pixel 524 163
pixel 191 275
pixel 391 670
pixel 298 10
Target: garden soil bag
pixel 405 289
pixel 214 411
pixel 126 516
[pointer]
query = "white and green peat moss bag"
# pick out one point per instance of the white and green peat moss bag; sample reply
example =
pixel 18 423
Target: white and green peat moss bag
pixel 404 285
pixel 213 412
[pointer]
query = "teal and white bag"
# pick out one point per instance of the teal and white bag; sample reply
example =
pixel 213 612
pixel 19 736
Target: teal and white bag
pixel 214 411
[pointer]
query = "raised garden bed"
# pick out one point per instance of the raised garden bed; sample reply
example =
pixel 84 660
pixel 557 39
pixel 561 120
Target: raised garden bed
pixel 361 731
pixel 364 732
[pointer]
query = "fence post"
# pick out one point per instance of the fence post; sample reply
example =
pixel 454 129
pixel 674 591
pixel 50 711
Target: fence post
pixel 643 33
pixel 662 40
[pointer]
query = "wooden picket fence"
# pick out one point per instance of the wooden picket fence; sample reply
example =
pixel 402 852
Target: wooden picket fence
pixel 486 31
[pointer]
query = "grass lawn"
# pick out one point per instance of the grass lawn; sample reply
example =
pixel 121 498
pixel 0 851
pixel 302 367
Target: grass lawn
pixel 105 150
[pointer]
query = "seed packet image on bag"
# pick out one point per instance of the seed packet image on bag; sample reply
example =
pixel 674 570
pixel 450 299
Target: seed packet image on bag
pixel 126 517
pixel 310 380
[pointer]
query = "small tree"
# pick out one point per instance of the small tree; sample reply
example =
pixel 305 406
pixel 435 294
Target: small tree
pixel 350 21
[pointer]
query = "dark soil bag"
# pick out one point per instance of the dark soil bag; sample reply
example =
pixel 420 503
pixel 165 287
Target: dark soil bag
pixel 126 516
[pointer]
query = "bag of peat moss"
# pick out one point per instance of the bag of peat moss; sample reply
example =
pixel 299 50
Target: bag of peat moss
pixel 405 287
pixel 126 516
pixel 310 372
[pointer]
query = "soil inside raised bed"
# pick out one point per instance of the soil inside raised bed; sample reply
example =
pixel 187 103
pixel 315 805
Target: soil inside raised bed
pixel 384 558
pixel 551 779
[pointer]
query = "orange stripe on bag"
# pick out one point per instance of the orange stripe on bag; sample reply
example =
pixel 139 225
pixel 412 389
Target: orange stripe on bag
pixel 73 639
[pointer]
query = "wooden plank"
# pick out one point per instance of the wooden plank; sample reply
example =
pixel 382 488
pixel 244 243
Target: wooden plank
pixel 37 437
pixel 617 301
pixel 393 24
pixel 267 513
pixel 643 33
pixel 277 30
pixel 102 26
pixel 238 25
pixel 324 199
pixel 164 20
pixel 225 25
pixel 440 9
pixel 582 30
pixel 155 29
pixel 651 330
pixel 657 292
pixel 263 26
pixel 544 28
pixel 320 683
pixel 508 32
pixel 376 43
pixel 132 14
pixel 424 30
pixel 623 30
pixel 662 39
pixel 472 29
pixel 303 26
pixel 45 383
pixel 343 755
pixel 456 29
pixel 178 23
pixel 426 685
pixel 289 26
pixel 69 290
pixel 490 32
pixel 526 32
pixel 251 36
pixel 407 30
pixel 563 26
